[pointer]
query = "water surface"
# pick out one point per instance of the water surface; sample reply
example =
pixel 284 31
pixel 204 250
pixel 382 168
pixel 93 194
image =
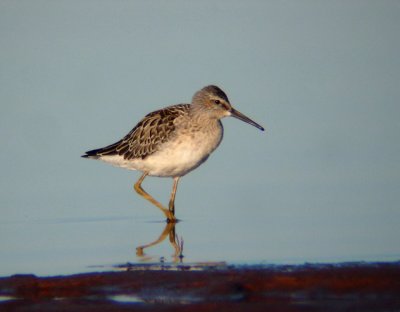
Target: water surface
pixel 320 185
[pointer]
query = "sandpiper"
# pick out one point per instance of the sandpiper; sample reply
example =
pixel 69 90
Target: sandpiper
pixel 172 141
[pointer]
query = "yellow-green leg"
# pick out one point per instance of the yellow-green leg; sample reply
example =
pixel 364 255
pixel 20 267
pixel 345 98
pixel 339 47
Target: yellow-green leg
pixel 138 188
pixel 172 199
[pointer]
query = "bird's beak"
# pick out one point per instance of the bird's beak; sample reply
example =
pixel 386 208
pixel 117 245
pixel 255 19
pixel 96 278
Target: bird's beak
pixel 239 115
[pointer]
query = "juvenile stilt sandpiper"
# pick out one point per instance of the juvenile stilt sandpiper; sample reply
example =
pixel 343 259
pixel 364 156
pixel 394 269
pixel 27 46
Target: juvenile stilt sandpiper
pixel 172 141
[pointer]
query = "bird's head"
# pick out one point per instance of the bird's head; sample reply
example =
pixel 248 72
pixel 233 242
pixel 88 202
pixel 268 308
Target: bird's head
pixel 213 100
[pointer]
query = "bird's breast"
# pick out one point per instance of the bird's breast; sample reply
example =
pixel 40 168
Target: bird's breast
pixel 185 151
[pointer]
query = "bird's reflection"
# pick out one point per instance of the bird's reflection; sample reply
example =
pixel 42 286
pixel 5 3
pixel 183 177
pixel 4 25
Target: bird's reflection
pixel 175 241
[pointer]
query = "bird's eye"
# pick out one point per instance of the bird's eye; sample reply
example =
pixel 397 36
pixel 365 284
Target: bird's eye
pixel 217 101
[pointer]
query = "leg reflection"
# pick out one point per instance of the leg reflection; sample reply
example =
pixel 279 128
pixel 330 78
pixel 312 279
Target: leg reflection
pixel 175 241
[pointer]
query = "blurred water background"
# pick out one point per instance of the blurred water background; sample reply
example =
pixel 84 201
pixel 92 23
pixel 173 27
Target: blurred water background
pixel 320 185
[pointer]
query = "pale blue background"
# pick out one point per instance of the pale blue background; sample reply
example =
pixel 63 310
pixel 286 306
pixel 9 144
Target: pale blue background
pixel 322 184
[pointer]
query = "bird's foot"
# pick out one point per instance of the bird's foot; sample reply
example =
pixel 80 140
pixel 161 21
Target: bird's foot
pixel 172 219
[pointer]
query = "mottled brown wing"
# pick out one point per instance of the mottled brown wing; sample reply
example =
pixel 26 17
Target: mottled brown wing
pixel 147 136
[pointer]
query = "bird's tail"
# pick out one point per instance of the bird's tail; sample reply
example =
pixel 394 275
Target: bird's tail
pixel 97 153
pixel 91 154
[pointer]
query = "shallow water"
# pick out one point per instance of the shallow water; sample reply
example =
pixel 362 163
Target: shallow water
pixel 65 246
pixel 321 184
pixel 91 219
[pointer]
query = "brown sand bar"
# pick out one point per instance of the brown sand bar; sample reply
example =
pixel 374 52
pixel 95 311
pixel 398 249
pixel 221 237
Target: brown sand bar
pixel 318 287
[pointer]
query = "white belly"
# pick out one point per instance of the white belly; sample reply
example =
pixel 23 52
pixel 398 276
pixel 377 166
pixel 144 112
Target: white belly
pixel 175 158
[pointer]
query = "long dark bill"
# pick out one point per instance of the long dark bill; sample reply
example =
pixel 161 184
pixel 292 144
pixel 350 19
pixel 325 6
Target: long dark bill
pixel 239 115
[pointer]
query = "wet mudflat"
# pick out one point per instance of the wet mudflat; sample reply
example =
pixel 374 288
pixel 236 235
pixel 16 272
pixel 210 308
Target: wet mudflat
pixel 216 287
